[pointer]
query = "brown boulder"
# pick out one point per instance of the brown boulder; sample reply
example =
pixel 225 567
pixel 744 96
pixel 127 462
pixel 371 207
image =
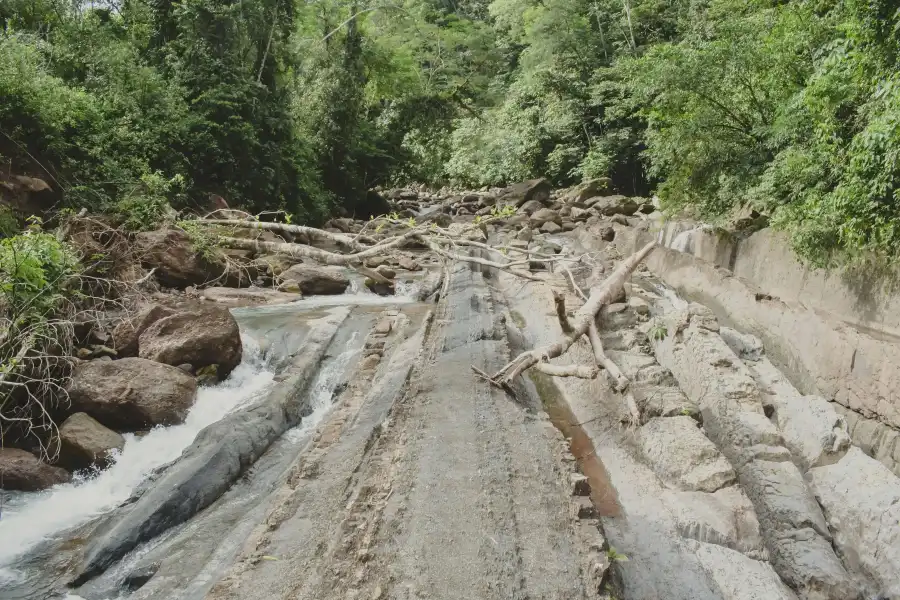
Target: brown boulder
pixel 520 193
pixel 550 227
pixel 126 334
pixel 315 280
pixel 613 205
pixel 175 259
pixel 84 442
pixel 408 264
pixel 22 471
pixel 586 190
pixel 545 215
pixel 132 393
pixel 530 207
pixel 202 336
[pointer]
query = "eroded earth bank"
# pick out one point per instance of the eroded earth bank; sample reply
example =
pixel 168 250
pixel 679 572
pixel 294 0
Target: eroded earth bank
pixel 358 454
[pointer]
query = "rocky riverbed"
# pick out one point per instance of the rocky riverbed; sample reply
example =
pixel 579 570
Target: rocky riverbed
pixel 330 438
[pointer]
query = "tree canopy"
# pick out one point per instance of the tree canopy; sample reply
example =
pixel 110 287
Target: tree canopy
pixel 791 107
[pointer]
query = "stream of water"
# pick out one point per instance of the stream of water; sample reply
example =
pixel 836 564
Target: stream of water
pixel 29 519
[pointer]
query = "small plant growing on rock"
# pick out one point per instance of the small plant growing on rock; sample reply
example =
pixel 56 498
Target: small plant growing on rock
pixel 658 332
pixel 613 555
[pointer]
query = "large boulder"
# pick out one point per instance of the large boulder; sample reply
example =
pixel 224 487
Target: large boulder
pixel 612 205
pixel 132 393
pixel 316 280
pixel 545 215
pixel 588 189
pixel 84 442
pixel 520 193
pixel 202 336
pixel 126 333
pixel 177 262
pixel 21 470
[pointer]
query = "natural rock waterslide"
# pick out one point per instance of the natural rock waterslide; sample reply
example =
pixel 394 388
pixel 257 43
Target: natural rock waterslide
pixel 380 459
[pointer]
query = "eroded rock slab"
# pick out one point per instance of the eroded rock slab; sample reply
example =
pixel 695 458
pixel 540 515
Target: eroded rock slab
pixel 739 577
pixel 680 453
pixel 861 498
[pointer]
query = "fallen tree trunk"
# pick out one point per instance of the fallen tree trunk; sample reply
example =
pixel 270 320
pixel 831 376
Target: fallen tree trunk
pixel 356 243
pixel 586 315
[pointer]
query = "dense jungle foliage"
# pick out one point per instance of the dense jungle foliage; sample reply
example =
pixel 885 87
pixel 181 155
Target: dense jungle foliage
pixel 790 106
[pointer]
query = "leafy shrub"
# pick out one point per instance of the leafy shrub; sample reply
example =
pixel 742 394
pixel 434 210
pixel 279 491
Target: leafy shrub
pixel 35 272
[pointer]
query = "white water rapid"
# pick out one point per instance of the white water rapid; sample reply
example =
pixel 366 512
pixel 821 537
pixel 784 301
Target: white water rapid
pixel 32 518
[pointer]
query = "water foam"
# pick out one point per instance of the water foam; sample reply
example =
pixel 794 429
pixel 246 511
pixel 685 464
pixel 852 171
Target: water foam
pixel 47 514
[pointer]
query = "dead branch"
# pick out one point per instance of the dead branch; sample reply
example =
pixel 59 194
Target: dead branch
pixel 580 371
pixel 620 382
pixel 599 297
pixel 357 243
pixel 559 300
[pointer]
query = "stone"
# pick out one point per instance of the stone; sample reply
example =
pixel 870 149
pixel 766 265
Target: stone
pixel 607 233
pixel 23 471
pixel 384 326
pixel 550 227
pixel 176 262
pixel 520 193
pixel 861 499
pixel 205 335
pixel 545 215
pixel 725 518
pixel 662 401
pixel 380 287
pixel 588 189
pixel 738 577
pixel 126 334
pixel 85 443
pixel 807 562
pixel 525 234
pixel 746 346
pixel 386 271
pixel 679 453
pixel 317 280
pixel 639 305
pixel 579 484
pixel 131 394
pixel 408 264
pixel 569 226
pixel 814 432
pixel 369 362
pixel 530 207
pixel 612 205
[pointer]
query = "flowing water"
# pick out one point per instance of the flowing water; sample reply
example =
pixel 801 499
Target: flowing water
pixel 29 519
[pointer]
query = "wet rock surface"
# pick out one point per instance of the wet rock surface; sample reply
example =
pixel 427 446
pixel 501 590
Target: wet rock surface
pixel 84 442
pixel 21 470
pixel 132 393
pixel 200 336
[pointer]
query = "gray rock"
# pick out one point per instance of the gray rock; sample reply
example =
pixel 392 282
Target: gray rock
pixel 132 393
pixel 520 193
pixel 679 453
pixel 792 523
pixel 588 189
pixel 662 401
pixel 550 227
pixel 613 205
pixel 545 215
pixel 746 346
pixel 204 336
pixel 316 280
pixel 530 207
pixel 861 498
pixel 23 471
pixel 739 577
pixel 814 432
pixel 85 443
